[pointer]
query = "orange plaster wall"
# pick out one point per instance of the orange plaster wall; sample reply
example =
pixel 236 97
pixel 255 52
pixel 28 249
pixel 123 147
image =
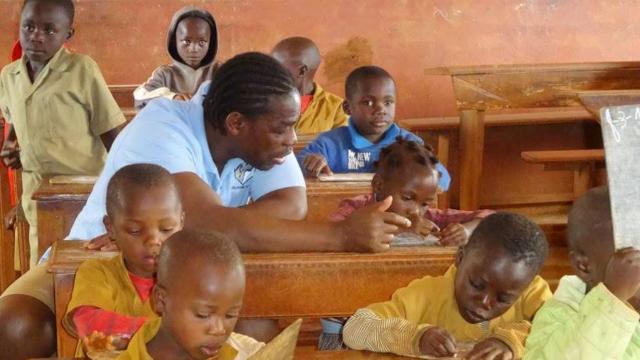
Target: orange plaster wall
pixel 127 37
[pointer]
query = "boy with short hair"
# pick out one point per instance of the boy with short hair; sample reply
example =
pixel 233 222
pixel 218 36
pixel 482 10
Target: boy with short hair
pixel 199 311
pixel 62 114
pixel 320 110
pixel 489 296
pixel 112 296
pixel 371 103
pixel 593 314
pixel 192 42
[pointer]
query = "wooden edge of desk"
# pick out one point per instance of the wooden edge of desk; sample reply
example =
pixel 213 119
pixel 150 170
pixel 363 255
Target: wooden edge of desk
pixel 563 156
pixel 529 68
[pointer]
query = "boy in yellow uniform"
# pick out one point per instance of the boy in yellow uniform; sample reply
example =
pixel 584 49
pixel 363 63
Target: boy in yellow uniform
pixel 320 110
pixel 112 296
pixel 489 296
pixel 201 283
pixel 63 117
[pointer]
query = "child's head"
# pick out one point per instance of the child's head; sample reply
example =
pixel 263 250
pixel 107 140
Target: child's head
pixel 253 98
pixel 45 25
pixel 406 171
pixel 503 255
pixel 370 101
pixel 301 57
pixel 143 210
pixel 590 235
pixel 193 37
pixel 200 290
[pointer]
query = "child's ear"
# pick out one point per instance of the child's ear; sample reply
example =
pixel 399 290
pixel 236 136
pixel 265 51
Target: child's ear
pixel 72 31
pixel 459 256
pixel 303 70
pixel 580 263
pixel 159 295
pixel 346 107
pixel 107 224
pixel 376 185
pixel 234 123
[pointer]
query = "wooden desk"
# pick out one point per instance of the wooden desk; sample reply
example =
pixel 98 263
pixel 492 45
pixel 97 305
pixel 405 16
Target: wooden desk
pixel 287 285
pixel 310 353
pixel 594 100
pixel 495 87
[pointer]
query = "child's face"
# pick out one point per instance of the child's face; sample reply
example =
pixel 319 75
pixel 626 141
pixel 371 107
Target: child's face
pixel 201 311
pixel 268 139
pixel 147 218
pixel 44 27
pixel 373 107
pixel 488 282
pixel 192 40
pixel 413 190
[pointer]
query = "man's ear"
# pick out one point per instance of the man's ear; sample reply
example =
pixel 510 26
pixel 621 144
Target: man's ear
pixel 107 224
pixel 460 256
pixel 580 263
pixel 71 32
pixel 346 107
pixel 235 123
pixel 159 295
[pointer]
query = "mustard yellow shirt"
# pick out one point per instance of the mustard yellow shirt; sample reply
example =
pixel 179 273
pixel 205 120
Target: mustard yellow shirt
pixel 237 347
pixel 105 284
pixel 323 113
pixel 59 117
pixel 396 325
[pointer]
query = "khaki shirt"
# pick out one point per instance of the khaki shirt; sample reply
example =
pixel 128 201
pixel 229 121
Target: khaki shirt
pixel 323 113
pixel 59 117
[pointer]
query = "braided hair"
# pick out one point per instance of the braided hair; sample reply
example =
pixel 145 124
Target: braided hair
pixel 403 151
pixel 246 83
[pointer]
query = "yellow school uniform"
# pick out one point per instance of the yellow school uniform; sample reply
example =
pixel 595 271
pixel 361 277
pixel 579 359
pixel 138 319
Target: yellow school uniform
pixel 237 347
pixel 397 325
pixel 105 284
pixel 58 120
pixel 323 113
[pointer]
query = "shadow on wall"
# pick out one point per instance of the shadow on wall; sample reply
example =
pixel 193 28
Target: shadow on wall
pixel 339 62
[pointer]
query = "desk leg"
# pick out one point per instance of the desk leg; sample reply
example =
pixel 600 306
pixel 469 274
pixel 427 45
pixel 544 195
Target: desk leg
pixel 63 286
pixel 443 155
pixel 471 153
pixel 583 176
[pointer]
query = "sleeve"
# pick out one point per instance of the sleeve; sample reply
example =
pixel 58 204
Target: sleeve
pixel 88 319
pixel 345 208
pixel 278 177
pixel 444 217
pixel 4 106
pixel 394 326
pixel 317 146
pixel 105 114
pixel 445 178
pixel 154 87
pixel 515 333
pixel 602 327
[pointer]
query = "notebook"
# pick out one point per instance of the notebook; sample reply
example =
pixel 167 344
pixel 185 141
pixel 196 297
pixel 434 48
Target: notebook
pixel 364 177
pixel 283 346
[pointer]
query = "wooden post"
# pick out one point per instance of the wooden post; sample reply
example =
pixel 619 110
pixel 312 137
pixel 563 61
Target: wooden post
pixel 7 242
pixel 471 153
pixel 583 176
pixel 443 156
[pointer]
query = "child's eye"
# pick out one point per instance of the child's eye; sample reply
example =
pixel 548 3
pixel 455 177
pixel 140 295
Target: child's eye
pixel 50 31
pixel 134 231
pixel 186 42
pixel 202 43
pixel 231 316
pixel 202 315
pixel 407 198
pixel 167 230
pixel 388 102
pixel 367 103
pixel 504 299
pixel 475 285
pixel 29 28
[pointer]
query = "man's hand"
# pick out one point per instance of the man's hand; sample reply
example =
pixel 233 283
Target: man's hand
pixel 315 164
pixel 11 217
pixel 622 276
pixel 490 349
pixel 101 242
pixel 371 228
pixel 453 235
pixel 437 342
pixel 10 154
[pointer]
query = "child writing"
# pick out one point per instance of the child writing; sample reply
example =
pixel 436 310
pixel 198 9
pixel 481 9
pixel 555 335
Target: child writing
pixel 192 42
pixel 320 110
pixel 201 283
pixel 63 117
pixel 371 103
pixel 112 296
pixel 489 296
pixel 593 314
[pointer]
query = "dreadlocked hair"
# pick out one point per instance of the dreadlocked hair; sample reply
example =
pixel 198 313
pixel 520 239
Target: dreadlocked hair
pixel 246 83
pixel 403 151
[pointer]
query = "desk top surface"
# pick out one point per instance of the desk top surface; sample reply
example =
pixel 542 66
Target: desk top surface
pixel 532 68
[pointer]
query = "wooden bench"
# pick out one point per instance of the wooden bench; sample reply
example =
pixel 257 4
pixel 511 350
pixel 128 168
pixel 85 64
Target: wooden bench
pixel 498 87
pixel 581 162
pixel 302 285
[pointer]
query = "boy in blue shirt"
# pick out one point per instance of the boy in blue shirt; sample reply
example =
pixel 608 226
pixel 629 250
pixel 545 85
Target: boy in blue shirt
pixel 370 102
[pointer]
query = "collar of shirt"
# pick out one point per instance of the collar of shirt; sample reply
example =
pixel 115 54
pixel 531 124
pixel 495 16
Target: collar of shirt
pixel 58 62
pixel 360 142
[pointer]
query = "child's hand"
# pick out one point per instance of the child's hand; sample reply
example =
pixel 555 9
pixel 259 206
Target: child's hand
pixel 422 226
pixel 622 276
pixel 315 164
pixel 182 97
pixel 10 154
pixel 11 217
pixel 490 349
pixel 453 235
pixel 437 342
pixel 101 242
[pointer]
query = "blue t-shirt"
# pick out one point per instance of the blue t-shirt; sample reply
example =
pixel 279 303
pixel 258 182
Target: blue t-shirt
pixel 172 134
pixel 347 151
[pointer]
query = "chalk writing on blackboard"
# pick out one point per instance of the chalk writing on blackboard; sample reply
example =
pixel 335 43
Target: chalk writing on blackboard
pixel 619 118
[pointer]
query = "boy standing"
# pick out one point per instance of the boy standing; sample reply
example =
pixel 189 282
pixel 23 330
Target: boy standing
pixel 593 314
pixel 61 112
pixel 320 110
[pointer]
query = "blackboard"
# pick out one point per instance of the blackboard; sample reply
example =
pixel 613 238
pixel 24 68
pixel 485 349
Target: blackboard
pixel 621 134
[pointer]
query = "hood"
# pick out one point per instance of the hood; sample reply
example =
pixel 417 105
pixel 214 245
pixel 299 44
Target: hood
pixel 191 11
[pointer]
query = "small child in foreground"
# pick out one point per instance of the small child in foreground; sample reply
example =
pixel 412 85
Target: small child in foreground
pixel 111 297
pixel 370 102
pixel 489 296
pixel 192 42
pixel 201 283
pixel 593 314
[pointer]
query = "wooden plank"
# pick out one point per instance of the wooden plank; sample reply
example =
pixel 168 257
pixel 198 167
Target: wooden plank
pixel 597 99
pixel 563 156
pixel 123 94
pixel 471 154
pixel 531 68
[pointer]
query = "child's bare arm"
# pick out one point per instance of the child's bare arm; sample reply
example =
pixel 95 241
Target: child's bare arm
pixel 110 136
